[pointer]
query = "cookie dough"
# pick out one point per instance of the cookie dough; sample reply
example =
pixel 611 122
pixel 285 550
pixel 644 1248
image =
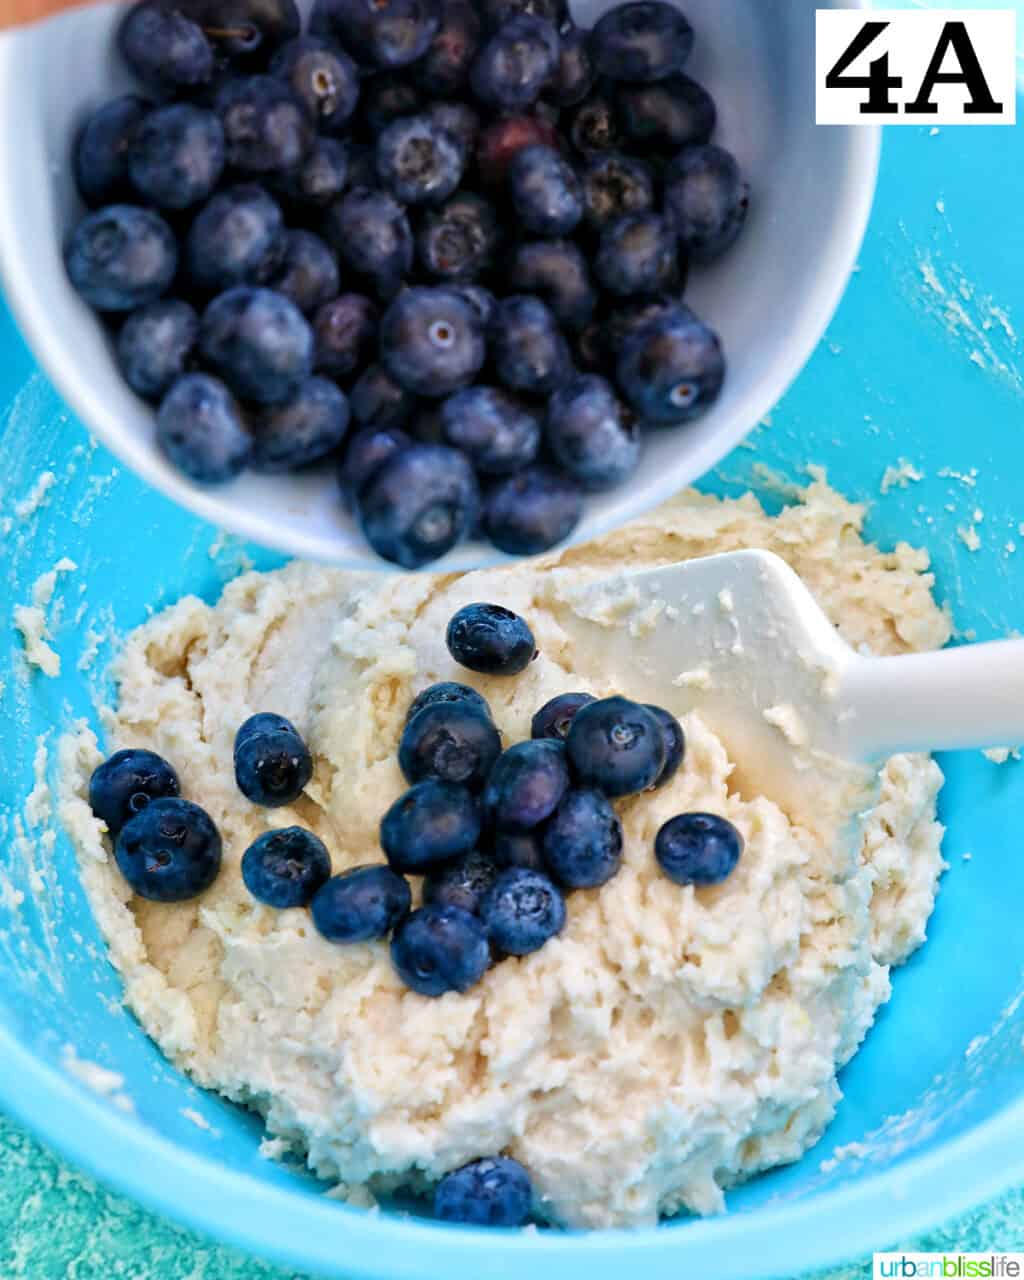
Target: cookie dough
pixel 669 1043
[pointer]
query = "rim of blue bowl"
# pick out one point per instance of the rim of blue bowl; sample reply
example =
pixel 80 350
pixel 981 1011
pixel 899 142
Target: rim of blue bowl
pixel 333 1239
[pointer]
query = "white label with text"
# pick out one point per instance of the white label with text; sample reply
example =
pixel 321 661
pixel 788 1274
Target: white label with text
pixel 923 67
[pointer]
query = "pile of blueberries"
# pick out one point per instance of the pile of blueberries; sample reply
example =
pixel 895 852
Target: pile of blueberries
pixel 499 837
pixel 442 242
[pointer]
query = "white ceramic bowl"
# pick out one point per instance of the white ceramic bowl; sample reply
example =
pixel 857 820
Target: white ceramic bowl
pixel 770 298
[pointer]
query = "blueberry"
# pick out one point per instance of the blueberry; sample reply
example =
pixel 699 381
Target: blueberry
pixel 496 432
pixel 378 401
pixel 170 851
pixel 532 511
pixel 490 639
pixel 575 74
pixel 452 741
pixel 618 319
pixel 556 716
pixel 556 272
pixel 493 1192
pixel 637 255
pixel 284 868
pixel 431 341
pixel 546 193
pixel 361 905
pixel 461 884
pixel 379 33
pixel 458 241
pixel 483 302
pixel 272 763
pixel 154 345
pixel 322 76
pixel 529 350
pixel 124 784
pixel 371 233
pixel 121 257
pixel 446 691
pixel 308 274
pixel 515 63
pixel 345 334
pixel 526 784
pixel 616 745
pixel 236 238
pixel 501 141
pixel 672 113
pixel 707 199
pixel 522 910
pixel 642 42
pixel 457 118
pixel 201 430
pixel 387 97
pixel 442 71
pixel 517 849
pixel 102 147
pixel 497 12
pixel 671 369
pixel 245 32
pixel 266 127
pixel 631 315
pixel 319 179
pixel 367 451
pixel 439 949
pixel 593 127
pixel 675 744
pixel 698 848
pixel 582 843
pixel 265 722
pixel 613 186
pixel 592 437
pixel 418 162
pixel 176 156
pixel 304 429
pixel 258 341
pixel 165 49
pixel 432 823
pixel 418 505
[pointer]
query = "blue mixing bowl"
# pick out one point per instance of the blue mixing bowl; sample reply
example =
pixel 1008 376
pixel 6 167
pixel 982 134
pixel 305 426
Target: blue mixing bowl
pixel 921 364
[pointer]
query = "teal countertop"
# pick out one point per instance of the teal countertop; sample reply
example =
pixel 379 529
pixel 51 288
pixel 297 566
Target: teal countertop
pixel 57 1224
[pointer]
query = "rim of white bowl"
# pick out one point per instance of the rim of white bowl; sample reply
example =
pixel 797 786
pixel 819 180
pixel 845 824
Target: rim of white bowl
pixel 83 396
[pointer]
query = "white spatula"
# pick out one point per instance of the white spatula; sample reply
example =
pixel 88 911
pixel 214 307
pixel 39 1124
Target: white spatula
pixel 739 638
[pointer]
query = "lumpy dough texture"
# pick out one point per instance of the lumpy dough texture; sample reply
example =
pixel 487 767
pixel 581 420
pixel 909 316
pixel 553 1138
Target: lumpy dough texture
pixel 669 1043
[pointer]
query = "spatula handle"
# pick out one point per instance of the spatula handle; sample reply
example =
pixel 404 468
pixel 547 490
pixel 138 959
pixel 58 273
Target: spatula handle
pixel 971 696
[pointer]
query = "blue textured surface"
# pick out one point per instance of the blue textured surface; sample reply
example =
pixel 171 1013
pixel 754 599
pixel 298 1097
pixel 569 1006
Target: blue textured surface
pixel 920 364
